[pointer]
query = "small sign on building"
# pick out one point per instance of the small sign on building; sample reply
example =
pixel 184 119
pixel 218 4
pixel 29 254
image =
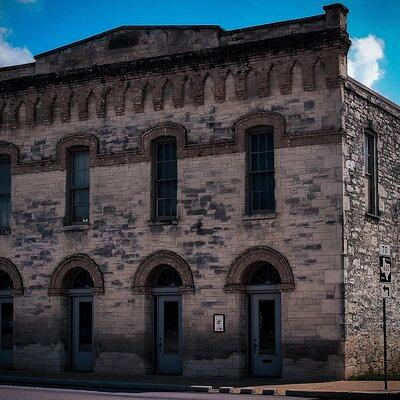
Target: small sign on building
pixel 219 322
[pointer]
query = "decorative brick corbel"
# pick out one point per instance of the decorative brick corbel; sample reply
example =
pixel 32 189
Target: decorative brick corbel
pixel 48 100
pixel 119 92
pixel 158 93
pixel 178 90
pixel 83 98
pixel 31 102
pixel 285 76
pixel 197 82
pixel 240 76
pixel 307 66
pixel 335 68
pixel 13 112
pixel 138 89
pixel 261 72
pixel 3 105
pixel 101 98
pixel 64 99
pixel 219 76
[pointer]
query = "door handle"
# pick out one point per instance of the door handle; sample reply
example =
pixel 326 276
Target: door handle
pixel 255 347
pixel 160 344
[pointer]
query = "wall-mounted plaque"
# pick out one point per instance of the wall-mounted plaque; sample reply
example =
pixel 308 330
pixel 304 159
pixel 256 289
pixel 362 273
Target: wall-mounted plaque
pixel 219 322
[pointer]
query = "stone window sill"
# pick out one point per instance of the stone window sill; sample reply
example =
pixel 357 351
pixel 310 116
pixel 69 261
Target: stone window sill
pixel 162 222
pixel 375 217
pixel 74 228
pixel 255 217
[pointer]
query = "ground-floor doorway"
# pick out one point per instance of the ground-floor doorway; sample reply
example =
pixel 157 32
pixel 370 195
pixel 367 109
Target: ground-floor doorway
pixel 265 334
pixel 169 334
pixel 6 332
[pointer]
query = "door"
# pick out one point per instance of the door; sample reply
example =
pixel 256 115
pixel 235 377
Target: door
pixel 266 334
pixel 82 334
pixel 6 332
pixel 169 335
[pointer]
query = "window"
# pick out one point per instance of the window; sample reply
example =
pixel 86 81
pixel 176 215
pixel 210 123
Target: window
pixel 371 178
pixel 5 193
pixel 79 187
pixel 261 170
pixel 165 185
pixel 265 274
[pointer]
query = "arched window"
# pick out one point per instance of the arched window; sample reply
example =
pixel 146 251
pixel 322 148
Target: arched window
pixel 81 279
pixel 260 170
pixel 6 282
pixel 168 277
pixel 165 179
pixel 265 274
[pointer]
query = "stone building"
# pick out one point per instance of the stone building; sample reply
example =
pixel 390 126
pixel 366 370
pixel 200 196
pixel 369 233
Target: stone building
pixel 190 200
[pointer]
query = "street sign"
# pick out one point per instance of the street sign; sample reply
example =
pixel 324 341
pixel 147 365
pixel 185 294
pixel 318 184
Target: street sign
pixel 384 250
pixel 385 291
pixel 385 271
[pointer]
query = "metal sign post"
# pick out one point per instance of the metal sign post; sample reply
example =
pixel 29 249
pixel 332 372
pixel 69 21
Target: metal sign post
pixel 385 277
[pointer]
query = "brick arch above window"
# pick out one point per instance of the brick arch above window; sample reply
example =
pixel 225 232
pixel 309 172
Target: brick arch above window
pixel 11 150
pixel 242 267
pixel 58 285
pixel 150 267
pixel 9 268
pixel 89 141
pixel 248 121
pixel 163 130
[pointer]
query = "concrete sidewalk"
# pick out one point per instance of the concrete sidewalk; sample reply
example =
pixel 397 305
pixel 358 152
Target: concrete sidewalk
pixel 362 390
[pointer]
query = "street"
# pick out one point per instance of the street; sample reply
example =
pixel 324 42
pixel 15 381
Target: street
pixel 38 393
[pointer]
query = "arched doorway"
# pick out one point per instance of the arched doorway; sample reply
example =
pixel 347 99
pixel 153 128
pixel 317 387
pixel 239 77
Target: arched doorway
pixel 168 320
pixel 165 277
pixel 262 274
pixel 265 320
pixel 78 278
pixel 10 286
pixel 81 320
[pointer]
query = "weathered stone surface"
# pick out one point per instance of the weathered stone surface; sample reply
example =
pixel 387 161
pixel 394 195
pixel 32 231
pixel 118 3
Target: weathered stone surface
pixel 205 87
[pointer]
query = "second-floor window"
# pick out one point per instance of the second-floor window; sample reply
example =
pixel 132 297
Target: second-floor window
pixel 79 187
pixel 5 193
pixel 261 170
pixel 371 177
pixel 165 182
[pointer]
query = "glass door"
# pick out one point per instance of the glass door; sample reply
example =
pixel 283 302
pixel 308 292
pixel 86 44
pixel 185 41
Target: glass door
pixel 82 334
pixel 169 334
pixel 6 332
pixel 266 334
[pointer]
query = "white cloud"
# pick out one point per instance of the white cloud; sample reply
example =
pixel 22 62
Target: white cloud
pixel 10 55
pixel 364 57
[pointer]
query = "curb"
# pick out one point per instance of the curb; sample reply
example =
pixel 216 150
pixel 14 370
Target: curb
pixel 339 395
pixel 94 384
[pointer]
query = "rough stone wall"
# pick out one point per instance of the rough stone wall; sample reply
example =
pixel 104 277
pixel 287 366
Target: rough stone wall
pixel 301 87
pixel 363 234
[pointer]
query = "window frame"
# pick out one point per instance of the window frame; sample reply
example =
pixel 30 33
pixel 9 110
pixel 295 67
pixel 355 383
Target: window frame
pixel 249 192
pixel 6 230
pixel 69 219
pixel 371 172
pixel 154 187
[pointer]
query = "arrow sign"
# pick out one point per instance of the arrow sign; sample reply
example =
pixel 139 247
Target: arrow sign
pixel 385 291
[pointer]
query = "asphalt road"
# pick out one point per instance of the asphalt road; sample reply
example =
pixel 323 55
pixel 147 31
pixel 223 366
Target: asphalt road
pixel 36 393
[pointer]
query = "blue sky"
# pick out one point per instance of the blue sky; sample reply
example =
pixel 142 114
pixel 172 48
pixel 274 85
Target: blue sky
pixel 32 26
